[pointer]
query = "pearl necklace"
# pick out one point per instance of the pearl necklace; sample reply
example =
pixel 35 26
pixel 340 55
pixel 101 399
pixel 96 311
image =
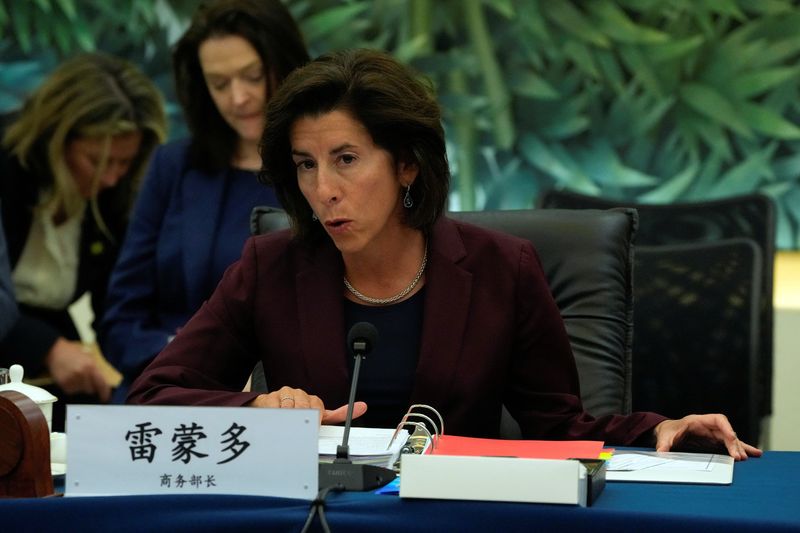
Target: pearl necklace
pixel 399 295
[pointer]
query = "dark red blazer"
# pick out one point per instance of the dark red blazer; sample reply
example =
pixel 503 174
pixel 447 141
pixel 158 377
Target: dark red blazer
pixel 492 335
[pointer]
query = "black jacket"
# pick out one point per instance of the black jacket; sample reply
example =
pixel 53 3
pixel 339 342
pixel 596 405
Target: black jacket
pixel 36 330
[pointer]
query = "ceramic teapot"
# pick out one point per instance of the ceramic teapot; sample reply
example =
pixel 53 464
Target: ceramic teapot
pixel 40 396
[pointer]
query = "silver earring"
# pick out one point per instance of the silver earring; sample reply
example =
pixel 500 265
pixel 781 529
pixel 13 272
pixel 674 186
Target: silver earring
pixel 408 202
pixel 314 216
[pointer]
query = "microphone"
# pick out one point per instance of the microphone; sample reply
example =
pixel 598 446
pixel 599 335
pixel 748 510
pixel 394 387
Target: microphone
pixel 342 474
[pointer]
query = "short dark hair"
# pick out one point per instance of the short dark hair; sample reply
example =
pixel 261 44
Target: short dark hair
pixel 396 106
pixel 269 27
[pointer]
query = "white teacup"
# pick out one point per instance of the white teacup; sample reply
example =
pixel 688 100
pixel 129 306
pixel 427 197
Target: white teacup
pixel 58 448
pixel 40 396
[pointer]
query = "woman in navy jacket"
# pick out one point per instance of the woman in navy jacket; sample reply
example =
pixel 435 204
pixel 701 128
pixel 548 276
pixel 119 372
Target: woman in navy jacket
pixel 355 148
pixel 192 216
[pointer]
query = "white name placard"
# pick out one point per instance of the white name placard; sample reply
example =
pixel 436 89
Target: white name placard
pixel 126 449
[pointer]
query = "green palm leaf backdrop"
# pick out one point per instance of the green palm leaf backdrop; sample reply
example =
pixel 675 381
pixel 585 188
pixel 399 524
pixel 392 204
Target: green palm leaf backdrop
pixel 646 100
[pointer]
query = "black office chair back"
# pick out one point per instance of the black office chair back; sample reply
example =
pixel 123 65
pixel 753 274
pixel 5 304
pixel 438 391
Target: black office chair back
pixel 264 219
pixel 692 299
pixel 586 256
pixel 743 216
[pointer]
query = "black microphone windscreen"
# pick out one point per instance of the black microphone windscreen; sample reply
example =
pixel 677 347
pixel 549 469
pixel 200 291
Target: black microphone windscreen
pixel 362 338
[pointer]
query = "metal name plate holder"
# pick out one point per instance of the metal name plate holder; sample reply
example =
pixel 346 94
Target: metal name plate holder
pixel 116 450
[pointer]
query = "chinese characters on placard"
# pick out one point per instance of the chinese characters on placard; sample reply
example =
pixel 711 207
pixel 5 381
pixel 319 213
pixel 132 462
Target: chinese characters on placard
pixel 187 447
pixel 179 481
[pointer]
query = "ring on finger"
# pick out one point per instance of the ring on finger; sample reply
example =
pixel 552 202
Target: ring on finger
pixel 283 398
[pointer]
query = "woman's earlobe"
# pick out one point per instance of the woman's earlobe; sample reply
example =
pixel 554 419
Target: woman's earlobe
pixel 408 173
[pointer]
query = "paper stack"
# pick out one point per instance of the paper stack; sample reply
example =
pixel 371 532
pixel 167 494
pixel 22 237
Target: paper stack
pixel 670 467
pixel 367 445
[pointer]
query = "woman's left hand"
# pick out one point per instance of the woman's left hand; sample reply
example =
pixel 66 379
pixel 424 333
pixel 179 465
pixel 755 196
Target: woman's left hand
pixel 703 431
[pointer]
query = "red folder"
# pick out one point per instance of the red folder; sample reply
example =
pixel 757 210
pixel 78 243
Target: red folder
pixel 532 449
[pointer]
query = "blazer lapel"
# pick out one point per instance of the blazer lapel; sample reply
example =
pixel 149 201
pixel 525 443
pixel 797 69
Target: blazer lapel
pixel 321 314
pixel 448 290
pixel 201 195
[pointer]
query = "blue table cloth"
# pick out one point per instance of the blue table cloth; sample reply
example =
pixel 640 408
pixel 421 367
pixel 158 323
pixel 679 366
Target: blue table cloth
pixel 764 496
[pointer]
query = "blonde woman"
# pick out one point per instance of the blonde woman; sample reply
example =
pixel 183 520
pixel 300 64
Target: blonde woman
pixel 69 168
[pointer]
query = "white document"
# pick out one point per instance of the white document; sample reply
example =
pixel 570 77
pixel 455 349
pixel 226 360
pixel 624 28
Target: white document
pixel 129 449
pixel 366 445
pixel 670 467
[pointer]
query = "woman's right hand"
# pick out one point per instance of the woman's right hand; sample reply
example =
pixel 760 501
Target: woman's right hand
pixel 75 371
pixel 289 398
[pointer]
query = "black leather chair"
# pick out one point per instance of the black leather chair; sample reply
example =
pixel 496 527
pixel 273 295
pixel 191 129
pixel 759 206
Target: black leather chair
pixel 587 258
pixel 749 216
pixel 264 219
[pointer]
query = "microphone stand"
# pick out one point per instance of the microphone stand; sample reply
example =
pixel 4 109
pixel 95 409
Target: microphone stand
pixel 342 474
pixel 343 450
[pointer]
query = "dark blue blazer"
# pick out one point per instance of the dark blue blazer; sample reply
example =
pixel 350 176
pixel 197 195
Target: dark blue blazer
pixel 8 304
pixel 167 267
